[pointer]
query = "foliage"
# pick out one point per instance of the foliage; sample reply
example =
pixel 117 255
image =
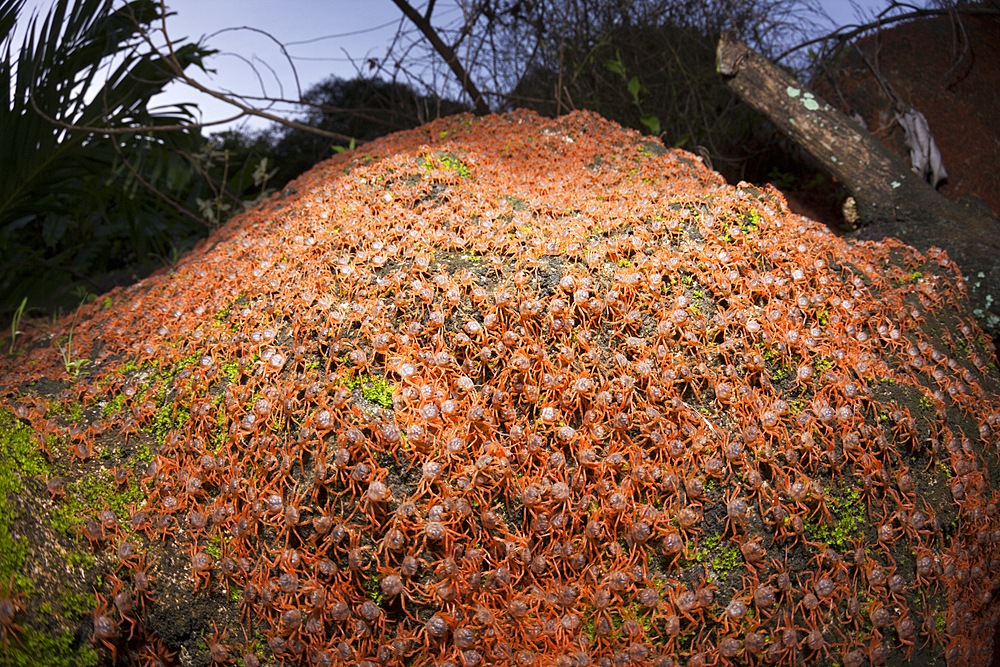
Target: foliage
pixel 232 181
pixel 15 322
pixel 76 205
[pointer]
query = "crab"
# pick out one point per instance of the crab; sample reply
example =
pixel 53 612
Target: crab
pixel 105 627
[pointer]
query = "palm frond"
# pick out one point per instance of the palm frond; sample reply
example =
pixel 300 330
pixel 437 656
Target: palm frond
pixel 86 63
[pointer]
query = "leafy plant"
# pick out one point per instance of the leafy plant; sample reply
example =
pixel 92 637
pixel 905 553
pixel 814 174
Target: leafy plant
pixel 228 189
pixel 342 149
pixel 634 86
pixel 76 203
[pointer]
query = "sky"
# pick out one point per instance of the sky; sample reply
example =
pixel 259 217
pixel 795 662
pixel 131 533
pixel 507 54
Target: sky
pixel 322 37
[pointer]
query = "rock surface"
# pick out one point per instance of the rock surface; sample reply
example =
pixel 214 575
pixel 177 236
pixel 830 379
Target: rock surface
pixel 508 390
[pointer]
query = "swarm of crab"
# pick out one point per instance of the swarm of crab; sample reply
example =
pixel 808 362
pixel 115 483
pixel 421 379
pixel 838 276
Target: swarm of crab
pixel 519 391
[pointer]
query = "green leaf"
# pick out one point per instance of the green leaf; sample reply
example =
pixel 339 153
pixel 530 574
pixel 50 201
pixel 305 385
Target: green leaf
pixel 69 200
pixel 617 66
pixel 652 122
pixel 341 149
pixel 634 87
pixel 53 229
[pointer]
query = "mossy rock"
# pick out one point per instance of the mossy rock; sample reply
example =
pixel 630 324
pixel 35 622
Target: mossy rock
pixel 552 396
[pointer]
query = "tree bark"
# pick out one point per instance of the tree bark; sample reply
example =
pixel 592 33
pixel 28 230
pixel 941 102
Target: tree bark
pixel 424 25
pixel 892 200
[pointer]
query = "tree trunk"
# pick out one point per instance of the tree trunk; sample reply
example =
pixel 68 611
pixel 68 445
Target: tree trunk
pixel 892 199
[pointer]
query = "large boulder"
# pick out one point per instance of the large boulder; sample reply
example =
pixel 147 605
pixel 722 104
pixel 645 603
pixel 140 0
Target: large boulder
pixel 508 390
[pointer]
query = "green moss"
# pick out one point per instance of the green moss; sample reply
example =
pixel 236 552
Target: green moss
pixel 78 604
pixel 588 627
pixel 92 493
pixel 80 560
pixel 143 453
pixel 848 512
pixel 214 547
pixel 378 391
pixel 188 361
pixel 115 405
pixel 75 411
pixel 374 590
pixel 223 315
pixel 724 563
pixel 36 649
pixel 170 416
pixel 699 556
pixel 18 459
pixel 231 370
pixel 375 389
pixel 128 367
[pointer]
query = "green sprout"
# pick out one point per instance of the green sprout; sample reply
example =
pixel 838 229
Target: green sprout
pixel 378 391
pixel 73 366
pixel 341 149
pixel 16 323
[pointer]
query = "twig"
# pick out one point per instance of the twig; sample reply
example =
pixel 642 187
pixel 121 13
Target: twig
pixel 856 29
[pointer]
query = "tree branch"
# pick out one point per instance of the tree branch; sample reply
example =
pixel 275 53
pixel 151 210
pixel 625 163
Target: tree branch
pixel 892 199
pixel 853 31
pixel 152 188
pixel 447 54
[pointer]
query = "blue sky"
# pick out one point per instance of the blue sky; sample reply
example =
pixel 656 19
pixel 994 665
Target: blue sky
pixel 323 37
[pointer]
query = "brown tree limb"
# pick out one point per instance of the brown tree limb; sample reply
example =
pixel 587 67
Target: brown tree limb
pixel 873 174
pixel 447 53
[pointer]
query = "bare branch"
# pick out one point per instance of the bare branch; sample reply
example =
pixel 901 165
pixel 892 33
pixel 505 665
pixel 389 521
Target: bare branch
pixel 132 129
pixel 246 109
pixel 446 53
pixel 281 46
pixel 848 32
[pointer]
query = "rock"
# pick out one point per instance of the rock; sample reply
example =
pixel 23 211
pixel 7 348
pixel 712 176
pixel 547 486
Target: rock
pixel 510 389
